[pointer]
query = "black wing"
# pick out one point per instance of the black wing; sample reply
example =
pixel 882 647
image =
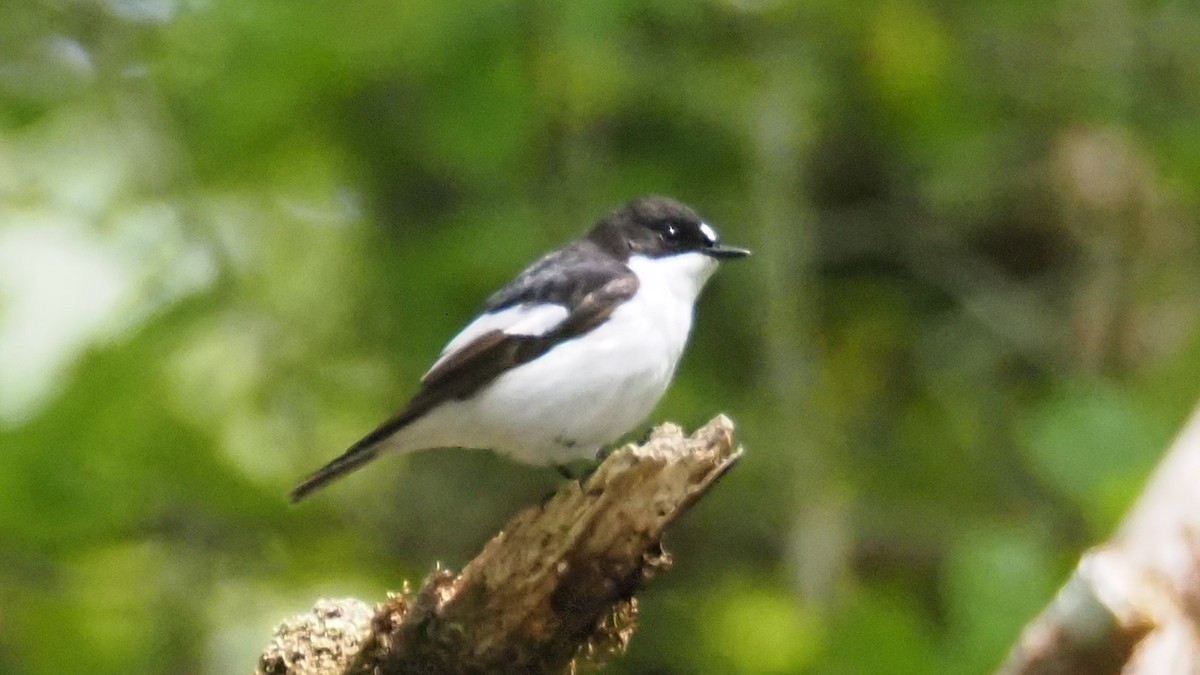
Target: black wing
pixel 563 277
pixel 463 372
pixel 594 287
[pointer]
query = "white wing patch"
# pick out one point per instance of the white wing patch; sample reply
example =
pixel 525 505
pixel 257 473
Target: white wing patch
pixel 524 319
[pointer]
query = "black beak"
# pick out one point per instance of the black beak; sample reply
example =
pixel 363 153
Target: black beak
pixel 722 251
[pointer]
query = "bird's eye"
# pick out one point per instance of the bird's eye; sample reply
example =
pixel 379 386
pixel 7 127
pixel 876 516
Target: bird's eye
pixel 672 232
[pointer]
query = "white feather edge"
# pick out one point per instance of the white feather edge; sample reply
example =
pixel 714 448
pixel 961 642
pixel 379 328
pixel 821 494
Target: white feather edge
pixel 524 319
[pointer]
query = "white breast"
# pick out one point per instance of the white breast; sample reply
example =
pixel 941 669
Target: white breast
pixel 667 292
pixel 588 391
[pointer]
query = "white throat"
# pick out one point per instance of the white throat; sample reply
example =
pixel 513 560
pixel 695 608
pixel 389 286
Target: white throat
pixel 675 278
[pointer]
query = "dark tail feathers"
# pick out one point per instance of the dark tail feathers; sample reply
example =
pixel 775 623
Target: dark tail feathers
pixel 345 463
pixel 366 449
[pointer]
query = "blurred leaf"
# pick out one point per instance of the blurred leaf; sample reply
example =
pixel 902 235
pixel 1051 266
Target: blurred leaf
pixel 997 578
pixel 1088 441
pixel 751 630
pixel 880 632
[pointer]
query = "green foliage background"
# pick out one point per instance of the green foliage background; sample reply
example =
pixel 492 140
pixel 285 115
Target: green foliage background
pixel 233 233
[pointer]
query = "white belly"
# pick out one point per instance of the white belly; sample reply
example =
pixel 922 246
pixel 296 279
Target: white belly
pixel 584 393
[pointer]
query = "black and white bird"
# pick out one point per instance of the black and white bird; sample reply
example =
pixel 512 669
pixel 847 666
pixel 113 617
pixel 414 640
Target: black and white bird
pixel 571 355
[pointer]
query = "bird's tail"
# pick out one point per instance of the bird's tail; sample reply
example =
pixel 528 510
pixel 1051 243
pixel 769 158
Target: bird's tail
pixel 366 449
pixel 348 461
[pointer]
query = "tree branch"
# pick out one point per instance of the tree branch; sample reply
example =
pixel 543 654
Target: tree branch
pixel 1133 604
pixel 557 584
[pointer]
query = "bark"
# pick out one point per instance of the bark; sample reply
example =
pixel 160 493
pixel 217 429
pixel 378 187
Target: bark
pixel 1132 605
pixel 553 589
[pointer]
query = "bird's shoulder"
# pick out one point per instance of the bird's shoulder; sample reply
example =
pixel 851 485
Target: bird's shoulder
pixel 562 295
pixel 563 277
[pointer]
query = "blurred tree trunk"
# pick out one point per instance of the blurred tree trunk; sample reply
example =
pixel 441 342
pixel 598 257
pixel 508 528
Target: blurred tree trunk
pixel 1132 605
pixel 555 586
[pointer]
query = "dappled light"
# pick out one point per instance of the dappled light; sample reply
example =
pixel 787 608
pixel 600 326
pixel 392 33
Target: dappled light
pixel 235 233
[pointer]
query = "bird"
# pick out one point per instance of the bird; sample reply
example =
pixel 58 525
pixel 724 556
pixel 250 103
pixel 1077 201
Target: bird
pixel 571 355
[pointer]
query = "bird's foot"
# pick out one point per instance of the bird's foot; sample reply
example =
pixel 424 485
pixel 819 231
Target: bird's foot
pixel 645 437
pixel 578 470
pixel 603 453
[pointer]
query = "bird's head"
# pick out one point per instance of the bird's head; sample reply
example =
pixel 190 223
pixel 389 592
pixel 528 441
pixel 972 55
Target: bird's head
pixel 656 227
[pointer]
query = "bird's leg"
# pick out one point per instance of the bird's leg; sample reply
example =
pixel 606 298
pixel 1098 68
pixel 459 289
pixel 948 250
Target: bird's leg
pixel 586 469
pixel 602 454
pixel 566 470
pixel 579 470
